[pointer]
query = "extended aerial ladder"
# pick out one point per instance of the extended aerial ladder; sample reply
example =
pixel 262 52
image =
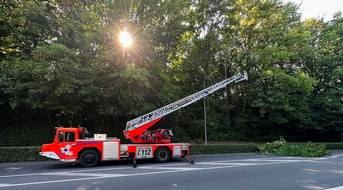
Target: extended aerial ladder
pixel 136 129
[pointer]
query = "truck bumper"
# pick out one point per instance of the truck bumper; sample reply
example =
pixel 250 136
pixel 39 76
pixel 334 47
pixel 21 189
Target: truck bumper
pixel 52 155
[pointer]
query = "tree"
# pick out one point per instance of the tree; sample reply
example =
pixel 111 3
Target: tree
pixel 327 98
pixel 283 100
pixel 62 64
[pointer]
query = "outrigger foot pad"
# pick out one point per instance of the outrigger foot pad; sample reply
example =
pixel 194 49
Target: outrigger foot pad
pixel 134 162
pixel 187 158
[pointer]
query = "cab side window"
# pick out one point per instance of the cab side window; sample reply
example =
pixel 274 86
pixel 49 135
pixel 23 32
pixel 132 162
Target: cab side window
pixel 66 137
pixel 61 137
pixel 70 136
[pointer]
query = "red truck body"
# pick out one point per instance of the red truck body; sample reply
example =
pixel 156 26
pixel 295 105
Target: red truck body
pixel 71 145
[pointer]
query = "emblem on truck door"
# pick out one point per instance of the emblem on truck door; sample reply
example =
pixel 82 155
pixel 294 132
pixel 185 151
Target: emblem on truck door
pixel 66 150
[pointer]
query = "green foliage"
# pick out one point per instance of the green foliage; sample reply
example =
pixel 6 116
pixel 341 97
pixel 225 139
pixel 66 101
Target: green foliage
pixel 27 135
pixel 23 25
pixel 327 98
pixel 223 148
pixel 334 146
pixel 20 154
pixel 274 147
pixel 62 61
pixel 282 148
pixel 283 99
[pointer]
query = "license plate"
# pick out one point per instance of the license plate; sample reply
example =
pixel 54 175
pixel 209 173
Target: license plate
pixel 144 152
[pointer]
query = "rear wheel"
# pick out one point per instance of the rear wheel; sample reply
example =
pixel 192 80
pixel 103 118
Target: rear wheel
pixel 162 155
pixel 89 158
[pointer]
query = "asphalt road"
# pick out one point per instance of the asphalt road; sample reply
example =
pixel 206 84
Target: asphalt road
pixel 210 172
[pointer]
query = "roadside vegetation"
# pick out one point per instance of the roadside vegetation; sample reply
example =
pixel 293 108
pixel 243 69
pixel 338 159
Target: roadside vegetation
pixel 283 148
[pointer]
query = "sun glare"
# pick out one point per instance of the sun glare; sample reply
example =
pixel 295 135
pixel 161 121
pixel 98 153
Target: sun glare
pixel 125 39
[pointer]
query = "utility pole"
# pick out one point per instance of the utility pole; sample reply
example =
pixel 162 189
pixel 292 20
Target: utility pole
pixel 205 124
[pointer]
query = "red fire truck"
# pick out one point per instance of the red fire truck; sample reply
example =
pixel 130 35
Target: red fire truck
pixel 74 144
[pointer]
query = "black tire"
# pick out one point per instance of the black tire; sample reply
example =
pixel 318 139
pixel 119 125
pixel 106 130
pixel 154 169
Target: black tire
pixel 89 158
pixel 162 155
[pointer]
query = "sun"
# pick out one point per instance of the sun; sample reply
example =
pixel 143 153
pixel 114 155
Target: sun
pixel 125 39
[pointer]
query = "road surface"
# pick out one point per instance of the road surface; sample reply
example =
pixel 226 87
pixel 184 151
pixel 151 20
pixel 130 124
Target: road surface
pixel 214 172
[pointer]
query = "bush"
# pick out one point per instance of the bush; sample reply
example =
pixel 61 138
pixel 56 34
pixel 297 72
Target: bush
pixel 282 148
pixel 272 148
pixel 18 154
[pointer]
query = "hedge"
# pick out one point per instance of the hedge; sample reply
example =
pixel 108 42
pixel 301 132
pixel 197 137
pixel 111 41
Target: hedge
pixel 223 148
pixel 334 146
pixel 19 154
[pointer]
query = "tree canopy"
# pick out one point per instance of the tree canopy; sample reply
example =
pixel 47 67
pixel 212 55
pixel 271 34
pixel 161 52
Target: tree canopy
pixel 61 64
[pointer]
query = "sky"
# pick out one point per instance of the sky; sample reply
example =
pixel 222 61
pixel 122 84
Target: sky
pixel 319 8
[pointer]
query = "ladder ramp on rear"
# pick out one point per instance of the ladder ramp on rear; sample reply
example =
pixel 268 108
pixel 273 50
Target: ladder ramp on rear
pixel 156 114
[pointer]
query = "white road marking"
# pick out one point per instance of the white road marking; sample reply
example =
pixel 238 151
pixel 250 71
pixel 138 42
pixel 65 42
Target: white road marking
pixel 14 168
pixel 87 174
pixel 4 185
pixel 165 168
pixel 229 164
pixel 47 182
pixel 336 188
pixel 56 173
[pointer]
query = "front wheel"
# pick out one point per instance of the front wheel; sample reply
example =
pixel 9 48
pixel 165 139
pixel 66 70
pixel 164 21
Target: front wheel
pixel 162 155
pixel 89 158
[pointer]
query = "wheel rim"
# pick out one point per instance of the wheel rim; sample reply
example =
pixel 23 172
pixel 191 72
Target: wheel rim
pixel 89 158
pixel 163 155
